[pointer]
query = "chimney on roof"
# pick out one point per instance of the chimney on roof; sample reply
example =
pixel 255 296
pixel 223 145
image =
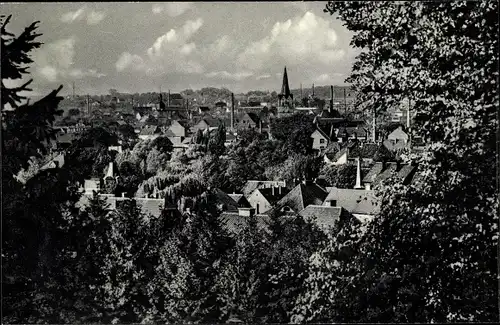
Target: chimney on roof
pixel 123 194
pixel 272 190
pixel 358 175
pixel 279 189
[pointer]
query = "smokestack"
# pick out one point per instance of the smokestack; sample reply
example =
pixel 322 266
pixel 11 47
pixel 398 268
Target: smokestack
pixel 345 103
pixel 168 99
pixel 260 126
pixel 301 96
pixel 313 91
pixel 358 175
pixel 331 99
pixel 73 90
pixel 374 134
pixel 232 111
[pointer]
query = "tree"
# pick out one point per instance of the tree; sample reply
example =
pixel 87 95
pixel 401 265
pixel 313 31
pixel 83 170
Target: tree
pixel 441 57
pixel 216 143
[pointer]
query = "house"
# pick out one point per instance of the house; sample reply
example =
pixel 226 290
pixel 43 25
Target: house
pixel 149 132
pixel 263 199
pixel 204 110
pixel 240 200
pixel 252 185
pixel 206 123
pixel 179 128
pixel 234 222
pixel 363 204
pixel 248 121
pixel 382 171
pixel 141 111
pixel 352 133
pixel 338 158
pixel 396 140
pixel 151 206
pixel 320 139
pixel 118 149
pixel 301 196
pixel 55 162
pixel 324 216
pixel 230 139
pixel 91 185
pixel 225 202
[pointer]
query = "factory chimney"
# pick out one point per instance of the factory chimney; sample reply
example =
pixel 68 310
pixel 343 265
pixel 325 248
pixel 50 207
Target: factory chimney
pixel 331 99
pixel 232 111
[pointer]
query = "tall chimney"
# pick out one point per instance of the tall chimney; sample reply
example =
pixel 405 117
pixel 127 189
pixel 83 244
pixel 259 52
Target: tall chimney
pixel 345 103
pixel 232 111
pixel 260 126
pixel 301 96
pixel 331 99
pixel 168 99
pixel 358 175
pixel 313 91
pixel 374 134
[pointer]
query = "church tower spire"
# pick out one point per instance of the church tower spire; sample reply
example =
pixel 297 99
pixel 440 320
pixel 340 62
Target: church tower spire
pixel 285 89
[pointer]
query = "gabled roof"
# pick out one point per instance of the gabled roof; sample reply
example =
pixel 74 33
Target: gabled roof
pixel 324 216
pixel 303 195
pixel 149 130
pixel 240 200
pixel 390 170
pixel 372 174
pixel 336 156
pixel 406 172
pixel 394 146
pixel 210 121
pixel 252 117
pixel 168 133
pixel 272 195
pixel 222 198
pixel 252 185
pixel 323 134
pixel 365 150
pixel 182 123
pixel 351 131
pixel 398 134
pixel 355 201
pixel 187 140
pixel 234 223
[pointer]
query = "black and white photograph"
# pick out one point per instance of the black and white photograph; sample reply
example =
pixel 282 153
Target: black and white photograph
pixel 263 162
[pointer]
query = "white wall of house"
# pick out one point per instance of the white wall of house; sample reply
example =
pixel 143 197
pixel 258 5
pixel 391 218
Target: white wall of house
pixel 258 202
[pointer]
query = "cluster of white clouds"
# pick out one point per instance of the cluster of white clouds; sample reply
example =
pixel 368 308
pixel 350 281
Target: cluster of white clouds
pixel 172 9
pixel 302 40
pixel 305 39
pixel 55 62
pixel 92 17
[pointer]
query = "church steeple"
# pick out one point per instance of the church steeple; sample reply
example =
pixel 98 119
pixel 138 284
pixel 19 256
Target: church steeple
pixel 285 89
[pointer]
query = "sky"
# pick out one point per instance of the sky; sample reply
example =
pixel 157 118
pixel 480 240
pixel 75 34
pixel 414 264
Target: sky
pixel 140 47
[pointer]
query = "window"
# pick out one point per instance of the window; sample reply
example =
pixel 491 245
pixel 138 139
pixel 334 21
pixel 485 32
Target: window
pixel 287 209
pixel 321 140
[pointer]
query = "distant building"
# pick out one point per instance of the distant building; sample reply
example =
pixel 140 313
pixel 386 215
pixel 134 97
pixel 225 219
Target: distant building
pixel 301 196
pixel 320 139
pixel 149 132
pixel 263 199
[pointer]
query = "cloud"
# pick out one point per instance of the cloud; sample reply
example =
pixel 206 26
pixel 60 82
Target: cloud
pixel 226 75
pixel 93 17
pixel 173 9
pixel 171 52
pixel 127 60
pixel 264 76
pixel 306 39
pixel 54 61
pixel 72 16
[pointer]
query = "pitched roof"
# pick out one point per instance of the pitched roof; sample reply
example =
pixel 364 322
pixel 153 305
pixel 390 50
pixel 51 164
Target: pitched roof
pixel 253 117
pixel 389 170
pixel 398 134
pixel 365 150
pixel 355 201
pixel 240 200
pixel 324 216
pixel 169 133
pixel 223 198
pixel 391 145
pixel 351 131
pixel 318 130
pixel 303 195
pixel 272 195
pixel 372 174
pixel 252 185
pixel 234 223
pixel 406 172
pixel 149 130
